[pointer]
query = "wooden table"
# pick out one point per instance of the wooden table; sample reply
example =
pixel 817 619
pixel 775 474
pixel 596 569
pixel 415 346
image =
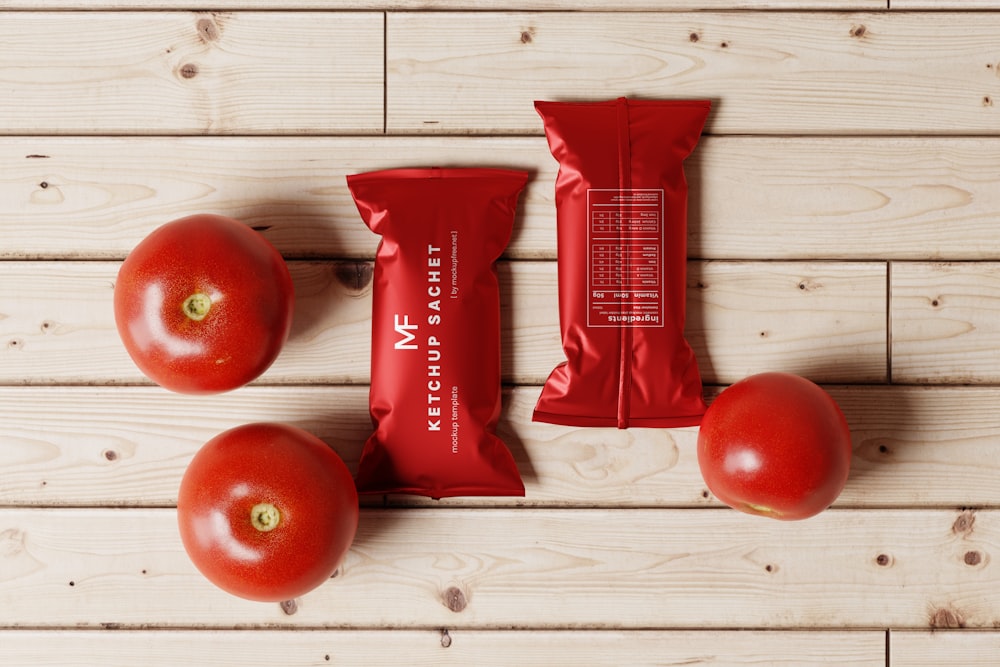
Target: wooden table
pixel 844 225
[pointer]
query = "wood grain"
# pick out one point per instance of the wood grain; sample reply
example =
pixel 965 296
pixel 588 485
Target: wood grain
pixel 946 5
pixel 814 73
pixel 945 322
pixel 932 649
pixel 450 5
pixel 191 72
pixel 124 447
pixel 831 326
pixel 914 198
pixel 441 648
pixel 615 569
pixel 914 447
pixel 96 198
pixel 928 446
pixel 845 198
pixel 794 305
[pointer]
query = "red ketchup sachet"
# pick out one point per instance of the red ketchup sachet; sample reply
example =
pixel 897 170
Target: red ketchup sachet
pixel 435 367
pixel 621 211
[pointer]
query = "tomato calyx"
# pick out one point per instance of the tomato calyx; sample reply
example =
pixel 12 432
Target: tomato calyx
pixel 196 306
pixel 265 517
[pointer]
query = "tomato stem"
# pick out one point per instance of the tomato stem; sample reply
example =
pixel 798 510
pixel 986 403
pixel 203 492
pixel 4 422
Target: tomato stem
pixel 265 517
pixel 197 306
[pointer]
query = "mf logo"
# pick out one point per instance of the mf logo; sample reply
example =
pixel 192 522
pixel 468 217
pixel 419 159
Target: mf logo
pixel 405 331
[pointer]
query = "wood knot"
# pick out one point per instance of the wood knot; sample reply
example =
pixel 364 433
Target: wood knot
pixel 110 455
pixel 883 560
pixel 445 639
pixel 289 607
pixel 964 524
pixel 858 31
pixel 973 558
pixel 528 36
pixel 12 542
pixel 188 71
pixel 454 599
pixel 808 285
pixel 946 618
pixel 355 276
pixel 694 37
pixel 208 31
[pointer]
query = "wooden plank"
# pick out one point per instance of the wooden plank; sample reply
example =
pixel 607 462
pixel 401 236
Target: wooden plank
pixel 823 197
pixel 58 326
pixel 124 446
pixel 914 447
pixel 441 648
pixel 814 73
pixel 922 446
pixel 820 320
pixel 946 5
pixel 191 72
pixel 932 649
pixel 96 198
pixel 945 320
pixel 614 569
pixel 845 198
pixel 831 325
pixel 451 5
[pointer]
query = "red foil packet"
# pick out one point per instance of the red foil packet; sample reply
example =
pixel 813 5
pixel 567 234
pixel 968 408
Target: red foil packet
pixel 621 210
pixel 435 368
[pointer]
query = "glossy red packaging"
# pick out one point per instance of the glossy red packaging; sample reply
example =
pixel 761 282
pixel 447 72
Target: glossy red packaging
pixel 435 368
pixel 621 211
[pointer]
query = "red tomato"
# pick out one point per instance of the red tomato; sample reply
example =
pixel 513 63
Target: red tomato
pixel 267 511
pixel 203 304
pixel 776 445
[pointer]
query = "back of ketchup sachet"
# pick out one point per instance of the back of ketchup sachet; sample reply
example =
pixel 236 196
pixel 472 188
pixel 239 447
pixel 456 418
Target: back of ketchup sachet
pixel 435 368
pixel 621 212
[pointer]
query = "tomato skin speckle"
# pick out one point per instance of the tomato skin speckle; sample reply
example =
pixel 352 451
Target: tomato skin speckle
pixel 200 289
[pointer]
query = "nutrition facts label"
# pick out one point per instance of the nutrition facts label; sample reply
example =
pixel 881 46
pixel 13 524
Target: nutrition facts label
pixel 625 242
